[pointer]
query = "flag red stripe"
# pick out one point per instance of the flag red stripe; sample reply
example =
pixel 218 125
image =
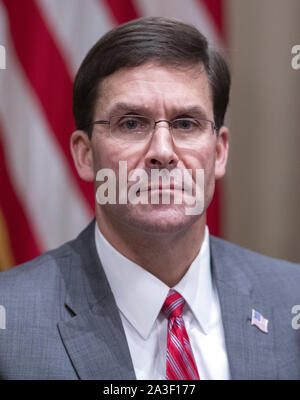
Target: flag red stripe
pixel 122 11
pixel 23 243
pixel 47 74
pixel 214 213
pixel 215 8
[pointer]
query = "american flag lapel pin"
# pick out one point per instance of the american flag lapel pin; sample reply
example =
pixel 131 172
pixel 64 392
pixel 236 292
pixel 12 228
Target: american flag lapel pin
pixel 258 320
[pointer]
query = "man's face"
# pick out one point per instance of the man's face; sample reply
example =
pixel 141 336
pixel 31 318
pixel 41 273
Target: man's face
pixel 159 92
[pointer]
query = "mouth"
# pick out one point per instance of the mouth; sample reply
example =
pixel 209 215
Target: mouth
pixel 161 187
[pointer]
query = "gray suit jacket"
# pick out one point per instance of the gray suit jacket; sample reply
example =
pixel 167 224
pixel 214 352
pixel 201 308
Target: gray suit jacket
pixel 62 321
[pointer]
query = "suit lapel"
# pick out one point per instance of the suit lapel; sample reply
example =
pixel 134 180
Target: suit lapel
pixel 94 337
pixel 250 351
pixel 97 345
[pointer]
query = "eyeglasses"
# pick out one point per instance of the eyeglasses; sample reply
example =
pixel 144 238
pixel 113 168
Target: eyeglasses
pixel 137 128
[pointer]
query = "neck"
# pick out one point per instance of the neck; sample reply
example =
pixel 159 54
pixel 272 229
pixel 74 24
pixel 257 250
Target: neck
pixel 166 256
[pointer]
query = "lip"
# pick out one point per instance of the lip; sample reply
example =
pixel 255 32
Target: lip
pixel 172 186
pixel 164 187
pixel 160 188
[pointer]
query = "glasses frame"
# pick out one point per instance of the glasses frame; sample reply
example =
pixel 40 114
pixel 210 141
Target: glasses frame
pixel 214 128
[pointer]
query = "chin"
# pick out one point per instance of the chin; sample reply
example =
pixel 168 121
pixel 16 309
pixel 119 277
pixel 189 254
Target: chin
pixel 161 219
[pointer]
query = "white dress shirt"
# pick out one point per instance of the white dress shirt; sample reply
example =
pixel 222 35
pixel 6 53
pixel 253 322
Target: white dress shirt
pixel 140 295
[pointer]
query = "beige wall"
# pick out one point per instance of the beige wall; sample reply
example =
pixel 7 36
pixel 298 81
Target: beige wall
pixel 261 206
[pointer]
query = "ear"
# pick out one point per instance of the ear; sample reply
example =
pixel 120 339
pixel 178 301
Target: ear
pixel 81 150
pixel 222 148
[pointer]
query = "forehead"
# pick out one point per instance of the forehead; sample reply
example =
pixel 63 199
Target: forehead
pixel 156 89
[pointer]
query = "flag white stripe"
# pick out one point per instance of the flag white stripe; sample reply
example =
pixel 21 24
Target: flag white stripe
pixel 38 172
pixel 190 11
pixel 76 25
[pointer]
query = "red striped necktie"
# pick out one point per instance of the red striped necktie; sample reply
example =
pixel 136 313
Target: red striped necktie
pixel 180 359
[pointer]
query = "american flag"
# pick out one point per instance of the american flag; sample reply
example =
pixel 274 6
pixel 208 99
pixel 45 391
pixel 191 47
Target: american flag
pixel 259 321
pixel 43 202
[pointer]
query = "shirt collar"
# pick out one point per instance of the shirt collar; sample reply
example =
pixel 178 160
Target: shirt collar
pixel 197 288
pixel 140 295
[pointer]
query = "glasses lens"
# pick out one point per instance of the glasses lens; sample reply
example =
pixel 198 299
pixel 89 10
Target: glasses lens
pixel 130 127
pixel 190 131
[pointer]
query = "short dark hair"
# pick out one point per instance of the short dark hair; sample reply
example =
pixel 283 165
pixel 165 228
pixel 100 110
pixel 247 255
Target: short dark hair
pixel 167 41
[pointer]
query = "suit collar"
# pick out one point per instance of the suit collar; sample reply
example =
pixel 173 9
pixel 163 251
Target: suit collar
pixel 249 350
pixel 94 337
pixel 133 299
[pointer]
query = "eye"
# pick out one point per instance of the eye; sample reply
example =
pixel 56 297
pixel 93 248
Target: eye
pixel 133 124
pixel 185 124
pixel 130 124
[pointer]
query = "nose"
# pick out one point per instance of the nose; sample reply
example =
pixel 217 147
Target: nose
pixel 161 152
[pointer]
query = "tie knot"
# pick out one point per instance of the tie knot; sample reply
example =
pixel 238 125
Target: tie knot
pixel 173 305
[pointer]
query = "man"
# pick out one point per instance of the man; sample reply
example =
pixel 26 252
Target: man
pixel 145 292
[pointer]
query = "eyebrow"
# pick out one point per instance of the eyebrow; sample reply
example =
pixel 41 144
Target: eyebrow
pixel 121 107
pixel 195 111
